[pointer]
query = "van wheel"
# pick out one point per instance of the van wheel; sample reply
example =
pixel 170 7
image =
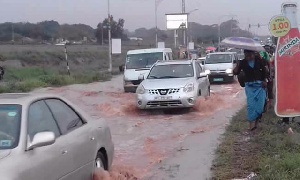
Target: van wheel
pixel 208 91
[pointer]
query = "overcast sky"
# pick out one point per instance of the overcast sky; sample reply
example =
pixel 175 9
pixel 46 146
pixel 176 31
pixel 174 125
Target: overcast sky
pixel 139 13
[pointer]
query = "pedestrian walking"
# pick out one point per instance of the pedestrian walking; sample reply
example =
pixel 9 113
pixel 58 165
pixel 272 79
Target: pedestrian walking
pixel 255 79
pixel 267 62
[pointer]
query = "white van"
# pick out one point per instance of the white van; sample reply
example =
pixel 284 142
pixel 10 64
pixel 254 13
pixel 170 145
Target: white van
pixel 220 65
pixel 139 62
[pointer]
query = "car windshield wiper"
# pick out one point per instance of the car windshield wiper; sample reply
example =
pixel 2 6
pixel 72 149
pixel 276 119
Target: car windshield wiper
pixel 166 77
pixel 73 124
pixel 141 69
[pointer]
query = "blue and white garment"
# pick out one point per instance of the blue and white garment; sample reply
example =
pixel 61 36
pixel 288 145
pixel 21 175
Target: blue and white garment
pixel 256 99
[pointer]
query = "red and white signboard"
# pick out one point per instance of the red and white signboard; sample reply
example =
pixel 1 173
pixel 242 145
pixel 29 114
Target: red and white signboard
pixel 287 61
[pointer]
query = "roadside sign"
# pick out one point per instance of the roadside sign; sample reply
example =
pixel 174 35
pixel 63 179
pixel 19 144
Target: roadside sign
pixel 191 45
pixel 116 46
pixel 279 26
pixel 161 45
pixel 287 69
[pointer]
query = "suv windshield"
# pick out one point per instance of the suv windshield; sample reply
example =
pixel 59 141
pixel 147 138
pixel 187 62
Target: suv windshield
pixel 143 60
pixel 171 71
pixel 218 58
pixel 10 120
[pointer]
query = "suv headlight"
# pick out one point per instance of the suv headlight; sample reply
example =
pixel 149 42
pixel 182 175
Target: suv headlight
pixel 189 87
pixel 207 71
pixel 140 89
pixel 229 71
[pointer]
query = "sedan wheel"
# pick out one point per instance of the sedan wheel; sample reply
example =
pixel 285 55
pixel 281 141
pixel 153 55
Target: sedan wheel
pixel 99 164
pixel 100 167
pixel 100 161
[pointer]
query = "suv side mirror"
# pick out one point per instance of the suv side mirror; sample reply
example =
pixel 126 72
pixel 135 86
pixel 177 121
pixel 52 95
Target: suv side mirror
pixel 203 74
pixel 141 77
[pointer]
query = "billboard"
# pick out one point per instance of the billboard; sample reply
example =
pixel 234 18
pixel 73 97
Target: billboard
pixel 177 21
pixel 287 58
pixel 161 45
pixel 116 46
pixel 191 45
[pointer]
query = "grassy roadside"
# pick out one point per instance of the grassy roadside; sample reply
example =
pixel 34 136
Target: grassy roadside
pixel 271 152
pixel 27 79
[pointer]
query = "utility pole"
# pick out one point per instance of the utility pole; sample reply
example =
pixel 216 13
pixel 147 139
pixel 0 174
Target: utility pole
pixel 102 35
pixel 184 28
pixel 109 37
pixel 12 33
pixel 231 24
pixel 219 28
pixel 183 6
pixel 156 36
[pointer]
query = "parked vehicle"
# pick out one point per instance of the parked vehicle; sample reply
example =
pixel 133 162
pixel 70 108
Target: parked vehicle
pixel 173 84
pixel 193 54
pixel 202 61
pixel 1 72
pixel 139 62
pixel 220 66
pixel 44 136
pixel 240 52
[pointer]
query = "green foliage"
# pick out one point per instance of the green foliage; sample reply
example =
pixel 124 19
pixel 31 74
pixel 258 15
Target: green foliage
pixel 271 152
pixel 117 29
pixel 27 79
pixel 46 30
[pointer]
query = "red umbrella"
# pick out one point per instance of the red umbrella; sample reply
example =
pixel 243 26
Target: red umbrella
pixel 210 48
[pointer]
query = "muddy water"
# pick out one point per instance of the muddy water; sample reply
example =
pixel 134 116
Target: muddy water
pixel 145 139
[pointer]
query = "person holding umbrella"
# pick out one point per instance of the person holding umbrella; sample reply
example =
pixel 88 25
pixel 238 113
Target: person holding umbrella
pixel 255 78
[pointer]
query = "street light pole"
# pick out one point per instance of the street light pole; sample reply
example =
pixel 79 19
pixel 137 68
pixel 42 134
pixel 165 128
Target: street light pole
pixel 184 30
pixel 156 36
pixel 219 28
pixel 157 2
pixel 187 28
pixel 109 37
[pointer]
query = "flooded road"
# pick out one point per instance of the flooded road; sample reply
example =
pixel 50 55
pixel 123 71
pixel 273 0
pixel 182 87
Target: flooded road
pixel 155 144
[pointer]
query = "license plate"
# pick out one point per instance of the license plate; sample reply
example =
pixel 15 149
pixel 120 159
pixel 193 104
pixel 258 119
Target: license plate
pixel 218 79
pixel 163 98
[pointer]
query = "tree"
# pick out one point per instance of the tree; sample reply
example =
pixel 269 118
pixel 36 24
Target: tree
pixel 49 29
pixel 117 29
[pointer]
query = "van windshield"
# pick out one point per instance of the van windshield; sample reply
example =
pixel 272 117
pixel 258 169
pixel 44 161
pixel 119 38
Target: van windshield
pixel 143 60
pixel 218 58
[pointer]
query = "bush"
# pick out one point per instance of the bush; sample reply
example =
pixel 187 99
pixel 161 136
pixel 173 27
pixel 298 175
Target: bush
pixel 27 79
pixel 57 80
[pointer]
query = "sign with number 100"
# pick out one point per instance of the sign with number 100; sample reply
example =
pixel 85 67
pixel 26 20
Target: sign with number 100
pixel 279 26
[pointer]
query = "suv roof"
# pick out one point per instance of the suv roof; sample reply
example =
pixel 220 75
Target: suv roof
pixel 224 53
pixel 151 50
pixel 174 62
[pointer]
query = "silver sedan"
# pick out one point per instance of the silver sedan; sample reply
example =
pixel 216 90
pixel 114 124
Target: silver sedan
pixel 44 136
pixel 173 84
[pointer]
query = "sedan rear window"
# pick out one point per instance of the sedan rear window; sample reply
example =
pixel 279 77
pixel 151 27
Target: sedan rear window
pixel 10 120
